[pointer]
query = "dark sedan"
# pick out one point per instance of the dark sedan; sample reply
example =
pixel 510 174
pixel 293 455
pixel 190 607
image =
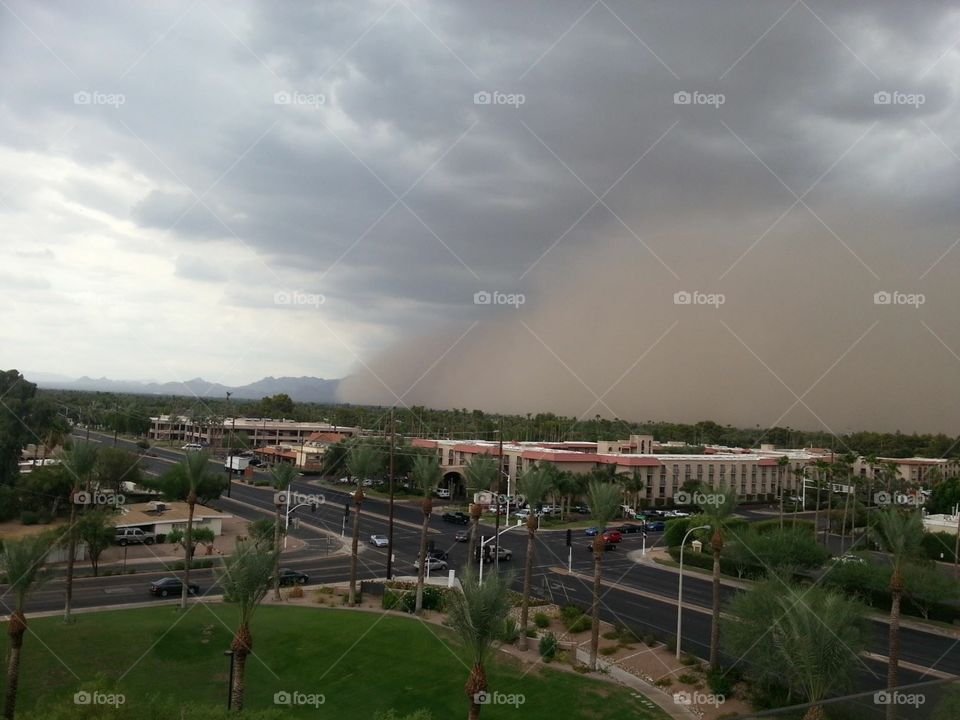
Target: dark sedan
pixel 165 587
pixel 457 518
pixel 289 576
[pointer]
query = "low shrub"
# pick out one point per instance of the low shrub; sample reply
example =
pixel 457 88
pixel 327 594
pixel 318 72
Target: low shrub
pixel 608 650
pixel 649 639
pixel 721 682
pixel 531 633
pixel 688 678
pixel 510 632
pixel 582 623
pixel 664 682
pixel 570 612
pixel 29 517
pixel 611 634
pixel 548 647
pixel 295 592
pixel 541 620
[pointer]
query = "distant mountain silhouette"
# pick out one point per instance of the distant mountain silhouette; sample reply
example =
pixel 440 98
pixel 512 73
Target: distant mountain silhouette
pixel 301 389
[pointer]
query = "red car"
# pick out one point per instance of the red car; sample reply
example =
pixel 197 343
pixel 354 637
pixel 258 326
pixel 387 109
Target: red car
pixel 612 536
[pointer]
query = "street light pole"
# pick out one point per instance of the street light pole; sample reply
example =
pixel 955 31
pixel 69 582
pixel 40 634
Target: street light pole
pixel 230 688
pixel 390 524
pixel 680 586
pixel 230 449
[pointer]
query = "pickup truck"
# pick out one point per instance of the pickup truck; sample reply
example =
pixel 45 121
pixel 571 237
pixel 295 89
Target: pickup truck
pixel 132 536
pixel 457 518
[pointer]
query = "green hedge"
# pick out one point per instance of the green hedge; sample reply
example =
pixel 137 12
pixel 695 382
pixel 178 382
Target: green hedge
pixel 403 596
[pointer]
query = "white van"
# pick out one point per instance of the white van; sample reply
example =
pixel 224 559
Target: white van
pixel 192 446
pixel 443 492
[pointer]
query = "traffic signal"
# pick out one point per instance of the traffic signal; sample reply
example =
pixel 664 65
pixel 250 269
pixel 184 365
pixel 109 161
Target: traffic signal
pixel 313 507
pixel 569 537
pixel 346 509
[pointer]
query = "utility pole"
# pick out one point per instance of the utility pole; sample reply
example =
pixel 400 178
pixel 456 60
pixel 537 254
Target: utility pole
pixel 116 419
pixel 230 449
pixel 390 523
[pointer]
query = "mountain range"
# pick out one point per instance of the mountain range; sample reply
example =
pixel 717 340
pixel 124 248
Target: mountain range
pixel 300 389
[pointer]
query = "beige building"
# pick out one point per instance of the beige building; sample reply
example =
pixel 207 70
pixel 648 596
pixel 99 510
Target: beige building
pixel 162 517
pixel 754 474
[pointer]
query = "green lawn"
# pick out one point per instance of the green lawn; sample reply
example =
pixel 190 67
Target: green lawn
pixel 361 662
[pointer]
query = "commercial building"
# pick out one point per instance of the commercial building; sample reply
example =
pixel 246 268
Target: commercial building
pixel 253 432
pixel 753 474
pixel 163 517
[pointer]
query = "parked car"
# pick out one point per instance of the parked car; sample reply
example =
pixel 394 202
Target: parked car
pixel 462 536
pixel 629 528
pixel 190 447
pixel 134 536
pixel 289 576
pixel 582 509
pixel 345 481
pixel 443 493
pixel 591 531
pixel 852 559
pixel 379 541
pixel 457 518
pixel 435 554
pixel 656 526
pixel 168 586
pixel 433 565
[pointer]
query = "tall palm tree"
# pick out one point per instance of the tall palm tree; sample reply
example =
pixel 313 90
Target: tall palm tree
pixel 246 578
pixel 481 474
pixel 22 562
pixel 363 462
pixel 717 513
pixel 477 615
pixel 604 507
pixel 633 485
pixel 426 474
pixel 282 476
pixel 188 481
pixel 533 485
pixel 782 464
pixel 901 535
pixel 78 460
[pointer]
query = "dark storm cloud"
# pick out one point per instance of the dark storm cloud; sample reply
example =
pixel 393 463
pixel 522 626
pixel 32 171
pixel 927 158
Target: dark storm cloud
pixel 342 144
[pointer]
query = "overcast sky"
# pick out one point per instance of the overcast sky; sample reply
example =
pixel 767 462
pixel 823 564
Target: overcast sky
pixel 239 189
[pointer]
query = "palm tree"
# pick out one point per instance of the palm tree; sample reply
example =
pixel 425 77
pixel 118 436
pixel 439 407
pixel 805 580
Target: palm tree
pixel 188 481
pixel 78 460
pixel 901 535
pixel 782 464
pixel 633 485
pixel 481 474
pixel 282 476
pixel 22 561
pixel 363 462
pixel 246 579
pixel 533 485
pixel 477 615
pixel 426 475
pixel 604 507
pixel 717 512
